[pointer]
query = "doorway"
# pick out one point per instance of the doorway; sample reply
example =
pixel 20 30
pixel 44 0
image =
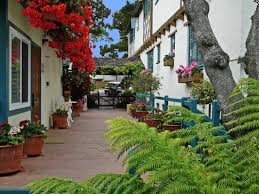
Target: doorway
pixel 36 82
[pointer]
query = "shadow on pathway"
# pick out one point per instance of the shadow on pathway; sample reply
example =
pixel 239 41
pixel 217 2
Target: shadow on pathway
pixel 77 153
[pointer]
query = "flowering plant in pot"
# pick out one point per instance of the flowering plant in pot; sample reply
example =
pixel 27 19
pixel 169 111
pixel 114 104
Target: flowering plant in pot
pixel 133 108
pixel 67 95
pixel 141 111
pixel 78 107
pixel 60 117
pixel 34 134
pixel 155 119
pixel 170 121
pixel 11 148
pixel 169 59
pixel 191 73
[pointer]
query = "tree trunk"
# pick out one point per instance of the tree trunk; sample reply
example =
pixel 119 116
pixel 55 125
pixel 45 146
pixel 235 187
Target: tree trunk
pixel 215 60
pixel 251 58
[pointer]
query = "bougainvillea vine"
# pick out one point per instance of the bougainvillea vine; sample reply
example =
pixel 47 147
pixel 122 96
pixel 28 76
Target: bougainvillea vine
pixel 68 25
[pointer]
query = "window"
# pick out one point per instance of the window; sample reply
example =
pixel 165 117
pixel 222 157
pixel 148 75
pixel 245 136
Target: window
pixel 147 8
pixel 20 67
pixel 150 60
pixel 158 53
pixel 194 54
pixel 132 35
pixel 172 42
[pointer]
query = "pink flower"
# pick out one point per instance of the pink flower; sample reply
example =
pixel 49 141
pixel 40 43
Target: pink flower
pixel 194 64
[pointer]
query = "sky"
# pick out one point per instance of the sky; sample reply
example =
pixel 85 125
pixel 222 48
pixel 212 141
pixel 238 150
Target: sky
pixel 114 5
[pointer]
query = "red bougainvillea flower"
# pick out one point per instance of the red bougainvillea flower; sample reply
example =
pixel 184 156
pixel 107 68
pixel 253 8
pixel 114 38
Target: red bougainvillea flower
pixel 68 27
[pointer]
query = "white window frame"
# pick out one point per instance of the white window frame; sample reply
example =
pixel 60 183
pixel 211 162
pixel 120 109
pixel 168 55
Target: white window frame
pixel 20 105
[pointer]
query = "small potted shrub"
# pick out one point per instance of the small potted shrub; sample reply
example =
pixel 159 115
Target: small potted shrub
pixel 141 111
pixel 77 108
pixel 171 124
pixel 34 134
pixel 155 119
pixel 60 117
pixel 11 149
pixel 169 59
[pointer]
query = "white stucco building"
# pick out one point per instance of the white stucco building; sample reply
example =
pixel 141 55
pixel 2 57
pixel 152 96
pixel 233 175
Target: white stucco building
pixel 160 27
pixel 30 72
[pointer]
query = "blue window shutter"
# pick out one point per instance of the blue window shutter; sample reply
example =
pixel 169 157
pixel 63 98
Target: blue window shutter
pixel 193 52
pixel 4 38
pixel 150 60
pixel 158 53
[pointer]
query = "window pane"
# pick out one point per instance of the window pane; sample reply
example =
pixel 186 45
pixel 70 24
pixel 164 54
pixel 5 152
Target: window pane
pixel 158 53
pixel 150 60
pixel 15 70
pixel 147 7
pixel 172 43
pixel 25 72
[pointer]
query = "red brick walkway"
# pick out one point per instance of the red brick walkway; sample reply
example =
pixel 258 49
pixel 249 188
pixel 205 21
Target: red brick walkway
pixel 78 152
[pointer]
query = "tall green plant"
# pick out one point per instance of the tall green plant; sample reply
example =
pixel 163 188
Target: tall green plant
pixel 201 159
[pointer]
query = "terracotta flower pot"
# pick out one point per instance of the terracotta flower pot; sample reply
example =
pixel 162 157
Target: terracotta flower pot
pixel 33 146
pixel 133 113
pixel 153 122
pixel 141 114
pixel 10 158
pixel 60 121
pixel 76 111
pixel 171 127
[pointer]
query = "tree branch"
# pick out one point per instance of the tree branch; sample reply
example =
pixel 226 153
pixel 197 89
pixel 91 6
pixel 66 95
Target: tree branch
pixel 251 58
pixel 215 60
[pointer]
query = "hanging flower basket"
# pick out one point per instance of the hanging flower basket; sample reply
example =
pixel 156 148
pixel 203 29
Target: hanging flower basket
pixel 10 158
pixel 169 62
pixel 196 77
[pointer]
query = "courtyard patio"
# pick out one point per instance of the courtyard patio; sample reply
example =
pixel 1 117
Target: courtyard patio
pixel 77 152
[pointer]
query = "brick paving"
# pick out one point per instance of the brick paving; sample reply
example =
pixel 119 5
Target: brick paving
pixel 77 153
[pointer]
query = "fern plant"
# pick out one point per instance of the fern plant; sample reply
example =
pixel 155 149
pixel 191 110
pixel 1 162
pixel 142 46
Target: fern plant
pixel 221 161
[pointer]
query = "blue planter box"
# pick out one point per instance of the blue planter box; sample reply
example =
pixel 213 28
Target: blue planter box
pixel 14 191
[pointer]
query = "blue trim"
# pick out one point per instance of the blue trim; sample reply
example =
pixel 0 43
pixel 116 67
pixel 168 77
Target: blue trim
pixel 19 111
pixel 14 191
pixel 4 40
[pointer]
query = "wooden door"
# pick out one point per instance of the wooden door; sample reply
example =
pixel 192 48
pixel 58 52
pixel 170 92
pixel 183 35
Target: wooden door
pixel 36 83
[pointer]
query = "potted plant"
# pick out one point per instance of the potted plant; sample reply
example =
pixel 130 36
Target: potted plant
pixel 169 59
pixel 133 108
pixel 170 123
pixel 77 108
pixel 155 119
pixel 60 117
pixel 11 149
pixel 192 73
pixel 141 111
pixel 204 93
pixel 34 134
pixel 67 95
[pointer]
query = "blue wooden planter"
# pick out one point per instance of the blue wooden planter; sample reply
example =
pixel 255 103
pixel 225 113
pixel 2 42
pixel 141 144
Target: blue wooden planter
pixel 14 191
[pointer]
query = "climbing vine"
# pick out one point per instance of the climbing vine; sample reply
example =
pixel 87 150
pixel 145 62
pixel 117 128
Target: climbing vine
pixel 68 24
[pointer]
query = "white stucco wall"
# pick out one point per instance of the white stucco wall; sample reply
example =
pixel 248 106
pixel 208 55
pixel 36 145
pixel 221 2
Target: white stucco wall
pixel 162 11
pixel 51 66
pixel 230 21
